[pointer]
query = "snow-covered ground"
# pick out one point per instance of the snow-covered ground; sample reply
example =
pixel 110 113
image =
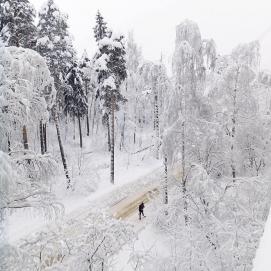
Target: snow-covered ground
pixel 149 243
pixel 89 169
pixel 262 261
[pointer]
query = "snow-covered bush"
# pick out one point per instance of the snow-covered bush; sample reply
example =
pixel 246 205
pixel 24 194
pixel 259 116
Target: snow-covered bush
pixel 18 191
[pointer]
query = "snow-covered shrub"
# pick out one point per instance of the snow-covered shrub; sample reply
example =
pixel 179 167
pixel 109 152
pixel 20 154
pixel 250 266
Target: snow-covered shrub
pixel 87 244
pixel 19 192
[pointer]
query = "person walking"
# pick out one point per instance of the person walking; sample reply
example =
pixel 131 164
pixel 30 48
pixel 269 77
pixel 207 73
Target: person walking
pixel 141 210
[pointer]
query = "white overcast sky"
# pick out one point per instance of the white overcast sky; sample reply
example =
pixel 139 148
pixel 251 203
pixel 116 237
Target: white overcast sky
pixel 228 22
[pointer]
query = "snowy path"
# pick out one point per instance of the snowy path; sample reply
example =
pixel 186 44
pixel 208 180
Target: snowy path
pixel 76 208
pixel 127 206
pixel 107 200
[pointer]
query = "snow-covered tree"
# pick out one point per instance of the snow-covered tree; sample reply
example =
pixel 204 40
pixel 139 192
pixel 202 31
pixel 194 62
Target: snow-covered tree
pixel 111 68
pixel 75 98
pixel 100 29
pixel 17 23
pixel 27 91
pixel 55 44
pixel 232 99
pixel 89 85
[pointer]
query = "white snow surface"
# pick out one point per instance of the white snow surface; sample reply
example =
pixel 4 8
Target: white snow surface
pixel 127 178
pixel 109 82
pixel 262 261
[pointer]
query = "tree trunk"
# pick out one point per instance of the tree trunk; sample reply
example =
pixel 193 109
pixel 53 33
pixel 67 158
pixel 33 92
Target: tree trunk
pixel 165 180
pixel 80 132
pixel 122 132
pixel 45 137
pixel 25 140
pixel 64 162
pixel 93 119
pixel 156 125
pixel 112 171
pixel 108 132
pixel 73 128
pixel 9 146
pixel 90 109
pixel 41 138
pixel 233 130
pixel 86 88
pixel 87 125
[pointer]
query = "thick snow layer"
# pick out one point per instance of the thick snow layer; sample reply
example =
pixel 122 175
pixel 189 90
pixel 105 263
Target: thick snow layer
pixel 101 62
pixel 110 42
pixel 262 261
pixel 90 172
pixel 188 31
pixel 109 82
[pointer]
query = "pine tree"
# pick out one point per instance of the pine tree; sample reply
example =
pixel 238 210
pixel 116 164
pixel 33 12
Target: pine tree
pixel 17 26
pixel 54 43
pixel 86 73
pixel 111 68
pixel 101 32
pixel 75 98
pixel 100 29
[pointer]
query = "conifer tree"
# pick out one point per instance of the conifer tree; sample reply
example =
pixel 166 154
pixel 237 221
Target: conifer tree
pixel 17 27
pixel 100 29
pixel 86 74
pixel 75 98
pixel 100 32
pixel 111 69
pixel 55 44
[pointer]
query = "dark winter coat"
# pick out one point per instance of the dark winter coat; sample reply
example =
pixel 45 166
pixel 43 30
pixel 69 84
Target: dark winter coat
pixel 141 207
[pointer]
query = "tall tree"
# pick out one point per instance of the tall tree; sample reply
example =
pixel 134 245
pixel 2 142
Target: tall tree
pixel 111 69
pixel 55 44
pixel 75 98
pixel 88 78
pixel 17 26
pixel 100 32
pixel 100 29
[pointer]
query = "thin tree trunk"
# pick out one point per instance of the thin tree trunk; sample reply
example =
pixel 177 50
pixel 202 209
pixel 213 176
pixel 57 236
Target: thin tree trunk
pixel 80 132
pixel 64 162
pixel 90 108
pixel 41 138
pixel 165 180
pixel 233 131
pixel 86 88
pixel 112 171
pixel 184 175
pixel 45 137
pixel 25 140
pixel 108 132
pixel 156 124
pixel 9 146
pixel 87 125
pixel 122 132
pixel 73 128
pixel 93 119
pixel 183 153
pixel 97 125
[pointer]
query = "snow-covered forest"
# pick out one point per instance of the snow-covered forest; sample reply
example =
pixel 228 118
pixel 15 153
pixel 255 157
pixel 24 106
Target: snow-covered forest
pixel 84 139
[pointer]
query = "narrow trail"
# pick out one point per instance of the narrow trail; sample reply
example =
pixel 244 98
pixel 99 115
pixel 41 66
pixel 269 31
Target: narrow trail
pixel 126 207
